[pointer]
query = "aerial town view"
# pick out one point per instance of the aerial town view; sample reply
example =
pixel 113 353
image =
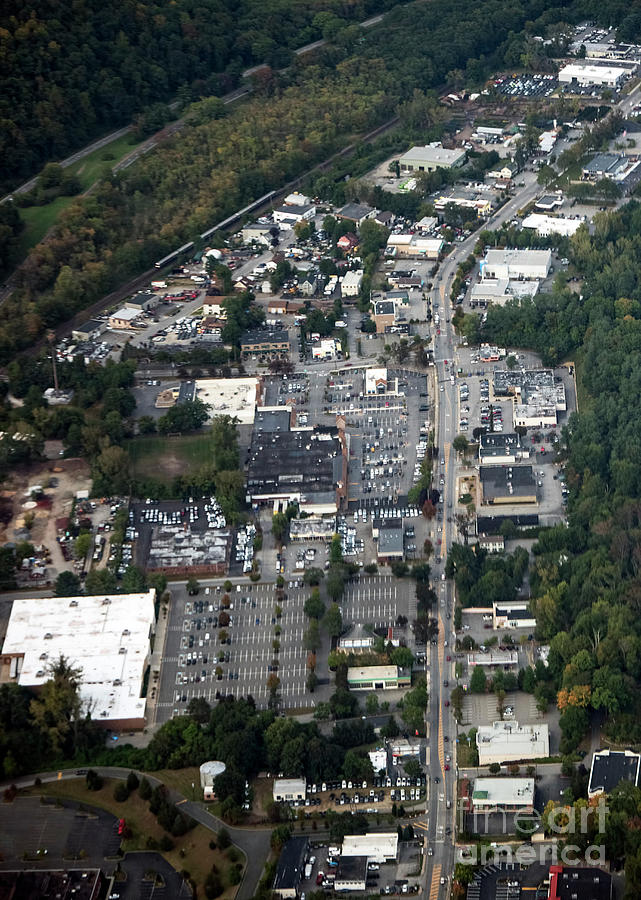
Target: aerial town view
pixel 320 401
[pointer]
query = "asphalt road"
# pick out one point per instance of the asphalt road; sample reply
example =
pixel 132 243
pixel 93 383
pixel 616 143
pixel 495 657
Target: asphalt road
pixel 253 842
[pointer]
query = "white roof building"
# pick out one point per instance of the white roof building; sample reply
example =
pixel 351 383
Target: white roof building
pixel 378 759
pixel 351 283
pixel 107 637
pixel 378 847
pixel 546 225
pixel 429 158
pixel 413 246
pixel 287 790
pixel 376 381
pixel 297 199
pixel 492 794
pixel 523 264
pixel 123 316
pixel 500 290
pixel 508 741
pixel 604 76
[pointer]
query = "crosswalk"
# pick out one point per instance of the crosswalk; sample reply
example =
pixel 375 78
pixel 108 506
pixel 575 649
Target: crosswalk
pixel 435 885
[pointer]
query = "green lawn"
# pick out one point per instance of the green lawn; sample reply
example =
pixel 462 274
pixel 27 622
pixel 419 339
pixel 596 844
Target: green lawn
pixel 156 456
pixel 40 219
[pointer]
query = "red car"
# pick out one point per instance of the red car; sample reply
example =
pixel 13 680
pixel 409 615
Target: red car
pixel 449 658
pixel 447 702
pixel 447 768
pixel 320 877
pixel 121 826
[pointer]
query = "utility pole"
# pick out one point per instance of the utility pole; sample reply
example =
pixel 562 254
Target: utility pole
pixel 51 337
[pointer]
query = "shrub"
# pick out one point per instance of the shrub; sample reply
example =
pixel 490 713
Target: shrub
pixel 144 790
pixel 132 782
pixel 93 780
pixel 224 840
pixel 120 792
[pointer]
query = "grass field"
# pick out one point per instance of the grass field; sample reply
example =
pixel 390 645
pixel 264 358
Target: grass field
pixel 40 219
pixel 164 458
pixel 191 851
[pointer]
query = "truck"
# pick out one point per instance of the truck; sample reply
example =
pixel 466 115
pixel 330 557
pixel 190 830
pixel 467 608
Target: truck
pixel 159 284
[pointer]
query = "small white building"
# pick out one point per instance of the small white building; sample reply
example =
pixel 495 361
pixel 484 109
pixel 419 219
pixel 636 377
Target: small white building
pixel 326 348
pixel 547 225
pixel 375 381
pixel 493 658
pixel 507 741
pixel 289 790
pixel 413 246
pixel 291 215
pixel 378 759
pixel 297 199
pixel 124 318
pixel 512 615
pixel 378 847
pixel 518 264
pixel 351 283
pixel 209 771
pixel 215 308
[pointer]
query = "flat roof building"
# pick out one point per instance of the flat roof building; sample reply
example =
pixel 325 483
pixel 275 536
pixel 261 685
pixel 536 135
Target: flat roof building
pixel 351 283
pixel 499 290
pixel 429 158
pixel 605 165
pixel 291 867
pixel 520 264
pixel 510 485
pixel 547 225
pixel 501 447
pixel 414 246
pixel 585 74
pixel 512 615
pixel 493 658
pixel 379 847
pixel 289 790
pixel 312 528
pixel 589 883
pixel 107 637
pixel 506 741
pixel 293 214
pixel 491 543
pixel 356 212
pixel 265 342
pixel 503 795
pixel 611 767
pixel 123 318
pixel 377 678
pixel 351 874
pixel 390 541
pixel 307 466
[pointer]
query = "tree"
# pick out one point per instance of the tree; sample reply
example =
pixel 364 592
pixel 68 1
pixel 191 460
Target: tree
pixel 67 585
pixel 413 768
pixel 494 768
pixel 311 638
pixel 333 620
pixel 193 585
pixel 57 710
pixel 314 607
pixel 280 526
pixel 402 657
pixel 335 582
pixel 82 545
pixel 478 681
pixel 461 444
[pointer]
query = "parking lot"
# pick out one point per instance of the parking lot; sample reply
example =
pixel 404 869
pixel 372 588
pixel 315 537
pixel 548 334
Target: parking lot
pixel 526 85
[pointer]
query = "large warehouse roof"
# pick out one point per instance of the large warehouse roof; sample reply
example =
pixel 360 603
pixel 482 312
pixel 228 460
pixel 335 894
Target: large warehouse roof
pixel 105 636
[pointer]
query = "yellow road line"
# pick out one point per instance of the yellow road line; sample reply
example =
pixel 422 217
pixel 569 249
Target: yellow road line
pixel 436 882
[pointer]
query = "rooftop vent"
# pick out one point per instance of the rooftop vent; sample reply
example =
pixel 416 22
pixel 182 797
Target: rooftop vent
pixel 48 636
pixel 122 650
pixel 73 603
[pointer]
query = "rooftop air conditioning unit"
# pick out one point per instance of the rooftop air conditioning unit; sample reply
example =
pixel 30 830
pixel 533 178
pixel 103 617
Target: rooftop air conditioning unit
pixel 117 682
pixel 106 601
pixel 48 636
pixel 122 650
pixel 43 656
pixel 73 603
pixel 126 631
pixel 40 673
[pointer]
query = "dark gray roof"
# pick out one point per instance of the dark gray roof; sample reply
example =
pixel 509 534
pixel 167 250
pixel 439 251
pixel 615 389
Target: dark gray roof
pixel 587 883
pixel 492 524
pixel 259 336
pixel 281 462
pixel 352 868
pixel 355 211
pixel 608 770
pixel 272 419
pixel 604 162
pixel 384 308
pixel 89 326
pixel 390 539
pixel 187 392
pixel 497 480
pixel 495 443
pixel 291 864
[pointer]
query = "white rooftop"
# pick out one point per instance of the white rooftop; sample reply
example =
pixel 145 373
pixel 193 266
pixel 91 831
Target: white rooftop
pixel 551 224
pixel 105 636
pixel 229 396
pixel 492 792
pixel 125 313
pixel 378 846
pixel 507 740
pixel 432 154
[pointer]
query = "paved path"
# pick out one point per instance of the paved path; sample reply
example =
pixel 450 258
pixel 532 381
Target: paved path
pixel 254 842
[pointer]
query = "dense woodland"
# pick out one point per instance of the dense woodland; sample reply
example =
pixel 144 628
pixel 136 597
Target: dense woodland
pixel 71 71
pixel 293 121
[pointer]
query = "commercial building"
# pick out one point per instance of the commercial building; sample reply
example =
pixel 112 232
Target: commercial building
pixel 505 741
pixel 312 528
pixel 88 330
pixel 611 767
pixel 584 74
pixel 572 883
pixel 549 202
pixel 106 637
pixel 351 874
pixel 123 318
pixel 326 348
pixel 375 381
pixel 209 772
pixel 352 283
pixel 264 342
pixel 377 678
pixel 537 394
pixel 401 748
pixel 307 466
pixel 503 795
pixel 507 484
pixel 605 165
pixel 498 291
pixel 512 615
pixel 292 215
pixel 378 759
pixel 477 202
pixel 501 448
pixel 47 884
pixel 430 158
pixel 289 790
pixel 142 301
pixel 494 658
pixel 257 234
pixel 378 847
pixel 215 308
pixel 384 315
pixel 413 246
pixel 291 867
pixel 547 225
pixel 518 264
pixel 390 541
pixel 297 199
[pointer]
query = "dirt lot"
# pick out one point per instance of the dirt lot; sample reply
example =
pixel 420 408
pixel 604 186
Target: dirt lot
pixel 71 475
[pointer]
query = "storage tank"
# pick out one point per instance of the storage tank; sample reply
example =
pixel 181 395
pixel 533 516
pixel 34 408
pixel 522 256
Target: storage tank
pixel 208 772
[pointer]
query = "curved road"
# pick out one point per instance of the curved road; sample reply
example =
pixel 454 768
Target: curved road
pixel 255 843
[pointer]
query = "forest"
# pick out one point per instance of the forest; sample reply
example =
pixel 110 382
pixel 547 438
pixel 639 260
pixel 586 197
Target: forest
pixel 72 71
pixel 219 164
